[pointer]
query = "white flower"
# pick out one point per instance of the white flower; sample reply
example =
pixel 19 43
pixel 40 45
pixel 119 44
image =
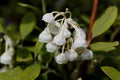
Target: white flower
pixel 59 39
pixel 87 54
pixel 48 17
pixel 45 37
pixel 79 42
pixel 51 47
pixel 80 33
pixel 53 28
pixel 61 58
pixel 71 55
pixel 67 33
pixel 6 58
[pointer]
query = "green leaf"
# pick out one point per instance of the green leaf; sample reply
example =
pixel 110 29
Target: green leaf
pixel 27 24
pixel 44 76
pixel 104 46
pixel 11 75
pixel 23 55
pixel 12 32
pixel 30 73
pixel 22 59
pixel 105 21
pixel 111 72
pixel 38 47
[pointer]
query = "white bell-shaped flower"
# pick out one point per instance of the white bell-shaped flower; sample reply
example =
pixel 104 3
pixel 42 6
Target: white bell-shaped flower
pixel 45 37
pixel 51 47
pixel 6 58
pixel 61 58
pixel 71 55
pixel 87 54
pixel 48 17
pixel 67 33
pixel 79 42
pixel 59 39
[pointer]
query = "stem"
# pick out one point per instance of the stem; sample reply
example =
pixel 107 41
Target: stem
pixel 114 34
pixel 92 19
pixel 43 6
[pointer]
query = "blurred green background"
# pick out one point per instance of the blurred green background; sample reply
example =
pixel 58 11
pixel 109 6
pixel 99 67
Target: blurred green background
pixel 11 13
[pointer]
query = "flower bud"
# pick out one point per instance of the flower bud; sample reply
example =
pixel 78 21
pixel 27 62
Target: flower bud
pixel 59 39
pixel 67 33
pixel 6 58
pixel 48 17
pixel 45 37
pixel 61 58
pixel 79 42
pixel 51 47
pixel 71 55
pixel 87 54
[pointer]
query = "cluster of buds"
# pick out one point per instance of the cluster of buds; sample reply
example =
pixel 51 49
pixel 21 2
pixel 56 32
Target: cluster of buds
pixel 64 36
pixel 6 57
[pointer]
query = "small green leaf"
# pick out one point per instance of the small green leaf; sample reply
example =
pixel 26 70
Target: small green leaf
pixel 104 46
pixel 27 5
pixel 27 24
pixel 23 55
pixel 38 47
pixel 22 59
pixel 105 21
pixel 111 72
pixel 30 73
pixel 11 75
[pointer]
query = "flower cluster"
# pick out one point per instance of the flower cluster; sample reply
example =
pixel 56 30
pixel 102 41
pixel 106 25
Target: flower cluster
pixel 6 57
pixel 63 35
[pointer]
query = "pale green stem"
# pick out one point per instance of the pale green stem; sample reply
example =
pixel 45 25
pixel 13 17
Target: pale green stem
pixel 76 28
pixel 43 6
pixel 63 49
